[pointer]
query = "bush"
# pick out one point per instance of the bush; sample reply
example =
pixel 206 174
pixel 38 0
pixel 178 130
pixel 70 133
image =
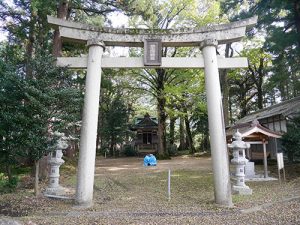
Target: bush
pixel 13 182
pixel 172 149
pixel 7 186
pixel 129 151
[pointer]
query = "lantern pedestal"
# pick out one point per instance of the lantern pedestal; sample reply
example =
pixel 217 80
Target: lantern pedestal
pixel 55 162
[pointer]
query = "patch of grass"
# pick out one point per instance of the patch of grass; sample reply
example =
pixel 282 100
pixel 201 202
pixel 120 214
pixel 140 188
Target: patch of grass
pixel 140 190
pixel 3 180
pixel 148 189
pixel 19 172
pixel 23 203
pixel 69 180
pixel 7 186
pixel 68 172
pixel 237 199
pixel 265 192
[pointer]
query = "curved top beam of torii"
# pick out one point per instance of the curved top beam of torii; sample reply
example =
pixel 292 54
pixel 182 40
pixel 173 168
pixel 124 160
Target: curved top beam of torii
pixel 224 33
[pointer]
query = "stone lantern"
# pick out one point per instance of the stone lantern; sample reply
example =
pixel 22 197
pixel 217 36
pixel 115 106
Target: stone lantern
pixel 55 161
pixel 239 160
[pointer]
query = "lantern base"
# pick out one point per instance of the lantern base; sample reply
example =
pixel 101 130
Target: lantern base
pixel 241 190
pixel 55 191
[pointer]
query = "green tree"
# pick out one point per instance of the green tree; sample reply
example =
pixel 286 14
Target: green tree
pixel 279 22
pixel 26 24
pixel 171 14
pixel 183 99
pixel 115 126
pixel 200 124
pixel 49 95
pixel 96 13
pixel 117 102
pixel 52 103
pixel 291 139
pixel 11 117
pixel 248 89
pixel 35 107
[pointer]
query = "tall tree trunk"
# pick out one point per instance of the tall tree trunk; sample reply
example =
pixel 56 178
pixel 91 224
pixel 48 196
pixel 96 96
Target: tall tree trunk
pixel 9 173
pixel 112 144
pixel 62 13
pixel 161 103
pixel 181 134
pixel 44 167
pixel 172 130
pixel 282 91
pixel 297 18
pixel 225 86
pixel 259 97
pixel 97 142
pixel 36 179
pixel 294 81
pixel 287 88
pixel 189 134
pixel 30 45
pixel 101 116
pixel 225 90
pixel 162 150
pixel 243 100
pixel 230 110
pixel 257 75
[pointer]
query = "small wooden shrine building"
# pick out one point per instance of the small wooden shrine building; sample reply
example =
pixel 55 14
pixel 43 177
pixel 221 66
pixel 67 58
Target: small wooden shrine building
pixel 146 139
pixel 257 136
pixel 274 118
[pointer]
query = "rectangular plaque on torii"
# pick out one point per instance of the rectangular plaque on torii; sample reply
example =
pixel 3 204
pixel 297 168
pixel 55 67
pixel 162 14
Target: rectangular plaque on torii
pixel 152 52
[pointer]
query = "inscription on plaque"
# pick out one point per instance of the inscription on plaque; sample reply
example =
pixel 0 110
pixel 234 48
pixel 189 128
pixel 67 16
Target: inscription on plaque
pixel 152 52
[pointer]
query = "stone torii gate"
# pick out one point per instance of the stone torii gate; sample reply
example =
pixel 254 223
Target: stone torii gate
pixel 207 38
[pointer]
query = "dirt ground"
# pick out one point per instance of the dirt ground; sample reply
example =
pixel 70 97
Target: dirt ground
pixel 126 192
pixel 133 164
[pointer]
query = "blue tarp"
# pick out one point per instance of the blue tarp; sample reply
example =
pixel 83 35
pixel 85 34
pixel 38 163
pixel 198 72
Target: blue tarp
pixel 149 160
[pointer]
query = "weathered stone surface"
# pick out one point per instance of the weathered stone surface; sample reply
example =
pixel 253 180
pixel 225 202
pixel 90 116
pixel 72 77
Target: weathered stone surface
pixel 137 62
pixel 55 22
pixel 249 170
pixel 241 190
pixel 55 161
pixel 223 33
pixel 219 154
pixel 88 135
pixel 95 41
pixel 239 160
pixel 137 40
pixel 208 42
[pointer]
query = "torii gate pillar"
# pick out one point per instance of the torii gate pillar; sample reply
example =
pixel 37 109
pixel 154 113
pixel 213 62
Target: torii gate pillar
pixel 218 145
pixel 88 136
